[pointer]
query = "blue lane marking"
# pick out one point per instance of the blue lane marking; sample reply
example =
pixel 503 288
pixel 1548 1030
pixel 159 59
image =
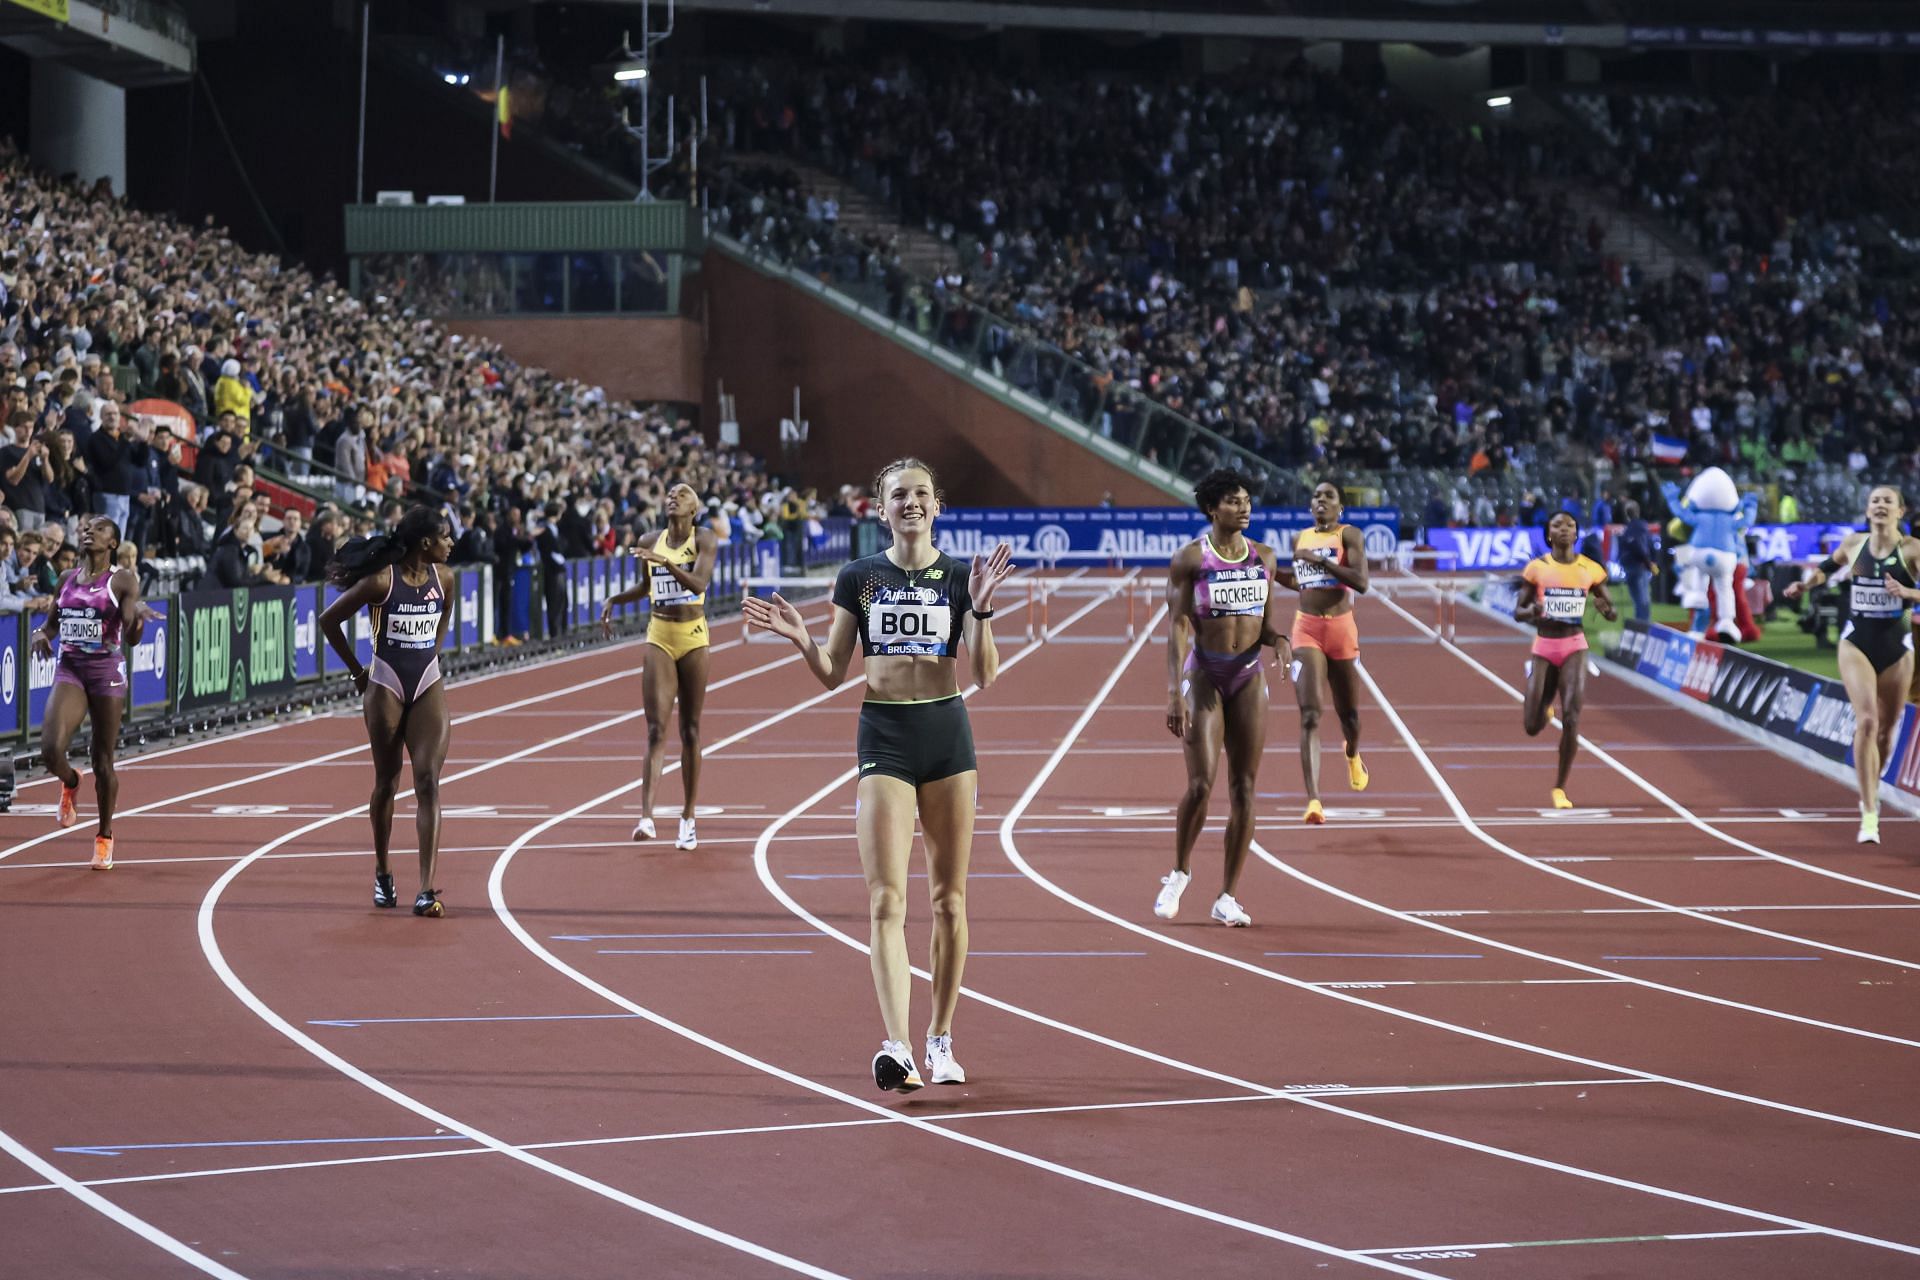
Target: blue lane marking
pixel 120 1148
pixel 620 937
pixel 499 1017
pixel 971 954
pixel 1380 955
pixel 1710 957
pixel 716 951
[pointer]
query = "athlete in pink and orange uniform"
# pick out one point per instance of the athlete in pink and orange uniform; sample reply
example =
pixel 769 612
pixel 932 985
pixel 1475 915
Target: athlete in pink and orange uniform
pixel 1218 585
pixel 1553 596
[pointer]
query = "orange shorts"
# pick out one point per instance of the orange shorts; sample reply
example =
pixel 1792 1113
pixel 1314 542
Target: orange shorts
pixel 1338 637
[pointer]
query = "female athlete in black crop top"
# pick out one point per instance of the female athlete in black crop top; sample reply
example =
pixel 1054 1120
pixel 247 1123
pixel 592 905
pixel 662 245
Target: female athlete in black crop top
pixel 911 609
pixel 403 580
pixel 1876 646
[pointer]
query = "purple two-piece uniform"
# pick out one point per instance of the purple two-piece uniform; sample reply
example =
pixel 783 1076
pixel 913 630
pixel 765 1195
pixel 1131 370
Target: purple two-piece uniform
pixel 1228 588
pixel 89 622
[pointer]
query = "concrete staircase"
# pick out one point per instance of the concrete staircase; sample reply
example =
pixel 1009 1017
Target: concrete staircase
pixel 921 252
pixel 1653 249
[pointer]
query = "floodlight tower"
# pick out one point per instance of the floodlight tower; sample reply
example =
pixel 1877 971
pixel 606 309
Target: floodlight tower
pixel 637 68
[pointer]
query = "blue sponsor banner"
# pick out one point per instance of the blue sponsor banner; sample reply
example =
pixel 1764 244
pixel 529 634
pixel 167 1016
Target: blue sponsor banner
pixel 359 630
pixel 13 653
pixel 307 640
pixel 1134 535
pixel 150 657
pixel 1795 543
pixel 579 576
pixel 39 678
pixel 470 589
pixel 1484 548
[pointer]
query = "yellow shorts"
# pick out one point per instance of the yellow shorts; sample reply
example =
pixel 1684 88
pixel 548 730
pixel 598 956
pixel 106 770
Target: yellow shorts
pixel 678 639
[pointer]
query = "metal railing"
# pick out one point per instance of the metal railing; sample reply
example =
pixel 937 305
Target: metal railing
pixel 1039 376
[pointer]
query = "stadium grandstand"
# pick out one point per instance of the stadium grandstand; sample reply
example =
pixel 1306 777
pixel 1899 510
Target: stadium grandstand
pixel 530 406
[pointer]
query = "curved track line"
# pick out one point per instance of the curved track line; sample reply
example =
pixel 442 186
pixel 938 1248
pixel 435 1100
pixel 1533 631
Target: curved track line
pixel 217 960
pixel 345 752
pixel 93 1199
pixel 100 1204
pixel 496 892
pixel 1687 815
pixel 763 869
pixel 533 664
pixel 1013 854
pixel 1481 834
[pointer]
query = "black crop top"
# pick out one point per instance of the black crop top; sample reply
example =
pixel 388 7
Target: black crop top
pixel 902 612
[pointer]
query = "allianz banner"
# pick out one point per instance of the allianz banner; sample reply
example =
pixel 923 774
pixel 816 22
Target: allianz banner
pixel 13 656
pixel 236 645
pixel 150 659
pixel 1135 535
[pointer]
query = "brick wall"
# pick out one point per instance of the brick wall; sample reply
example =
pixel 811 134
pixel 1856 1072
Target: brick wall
pixel 633 357
pixel 869 400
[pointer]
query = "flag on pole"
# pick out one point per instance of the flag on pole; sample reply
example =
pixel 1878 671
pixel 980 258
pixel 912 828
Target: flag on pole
pixel 503 111
pixel 1669 449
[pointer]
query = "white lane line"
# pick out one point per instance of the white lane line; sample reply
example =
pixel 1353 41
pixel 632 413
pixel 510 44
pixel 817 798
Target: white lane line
pixel 216 958
pixel 496 890
pixel 92 1199
pixel 346 752
pixel 1012 851
pixel 1479 833
pixel 749 1131
pixel 1687 815
pixel 1430 1249
pixel 100 1204
pixel 142 758
pixel 1655 911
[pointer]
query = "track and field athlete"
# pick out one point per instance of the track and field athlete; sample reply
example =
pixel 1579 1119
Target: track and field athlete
pixel 910 609
pixel 1329 566
pixel 402 580
pixel 1553 597
pixel 1876 645
pixel 679 560
pixel 1218 589
pixel 97 613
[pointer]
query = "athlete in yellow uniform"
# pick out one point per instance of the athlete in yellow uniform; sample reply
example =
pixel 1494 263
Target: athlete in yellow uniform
pixel 1553 596
pixel 679 562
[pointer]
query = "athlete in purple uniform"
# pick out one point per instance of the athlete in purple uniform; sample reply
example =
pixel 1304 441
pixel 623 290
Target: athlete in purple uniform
pixel 96 607
pixel 402 580
pixel 1217 586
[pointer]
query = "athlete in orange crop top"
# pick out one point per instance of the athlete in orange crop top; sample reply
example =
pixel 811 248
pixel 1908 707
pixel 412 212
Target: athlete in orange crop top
pixel 1553 596
pixel 1329 565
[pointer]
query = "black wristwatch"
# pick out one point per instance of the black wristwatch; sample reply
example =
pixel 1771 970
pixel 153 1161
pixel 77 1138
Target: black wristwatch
pixel 983 615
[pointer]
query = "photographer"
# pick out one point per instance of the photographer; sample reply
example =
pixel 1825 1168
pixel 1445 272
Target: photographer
pixel 25 472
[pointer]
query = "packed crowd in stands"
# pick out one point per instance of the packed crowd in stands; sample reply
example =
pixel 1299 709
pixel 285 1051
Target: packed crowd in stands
pixel 1789 179
pixel 1207 247
pixel 104 309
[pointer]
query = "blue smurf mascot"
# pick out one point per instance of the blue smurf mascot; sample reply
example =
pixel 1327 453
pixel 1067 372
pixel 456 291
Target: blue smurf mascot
pixel 1718 518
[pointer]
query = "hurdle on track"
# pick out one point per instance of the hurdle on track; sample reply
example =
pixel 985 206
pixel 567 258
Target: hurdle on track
pixel 1420 580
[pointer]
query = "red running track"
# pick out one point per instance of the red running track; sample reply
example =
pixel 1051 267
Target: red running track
pixel 1672 1033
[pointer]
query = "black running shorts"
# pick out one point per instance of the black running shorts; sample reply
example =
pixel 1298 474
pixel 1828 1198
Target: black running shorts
pixel 916 742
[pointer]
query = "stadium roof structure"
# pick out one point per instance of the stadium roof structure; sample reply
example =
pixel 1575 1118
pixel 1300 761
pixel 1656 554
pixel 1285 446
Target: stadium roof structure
pixel 130 43
pixel 1756 24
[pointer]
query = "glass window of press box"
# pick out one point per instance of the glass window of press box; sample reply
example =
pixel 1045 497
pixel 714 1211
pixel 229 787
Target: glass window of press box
pixel 630 282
